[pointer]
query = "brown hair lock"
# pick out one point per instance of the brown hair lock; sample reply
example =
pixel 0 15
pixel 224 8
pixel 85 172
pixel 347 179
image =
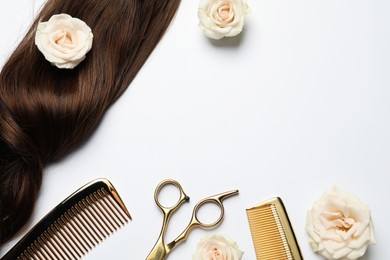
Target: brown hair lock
pixel 46 112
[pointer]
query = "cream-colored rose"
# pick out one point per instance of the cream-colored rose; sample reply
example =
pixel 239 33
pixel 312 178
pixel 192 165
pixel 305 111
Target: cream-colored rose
pixel 222 18
pixel 217 247
pixel 340 226
pixel 64 40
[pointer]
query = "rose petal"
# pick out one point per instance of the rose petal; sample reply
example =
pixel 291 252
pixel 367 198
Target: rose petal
pixel 355 254
pixel 360 241
pixel 343 252
pixel 328 246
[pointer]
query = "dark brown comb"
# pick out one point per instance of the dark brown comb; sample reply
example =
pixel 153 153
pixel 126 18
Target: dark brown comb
pixel 75 226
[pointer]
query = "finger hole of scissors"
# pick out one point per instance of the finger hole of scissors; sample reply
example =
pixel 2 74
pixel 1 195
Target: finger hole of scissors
pixel 209 213
pixel 168 195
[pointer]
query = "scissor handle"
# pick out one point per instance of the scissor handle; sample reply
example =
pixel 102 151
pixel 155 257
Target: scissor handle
pixel 217 200
pixel 195 222
pixel 182 197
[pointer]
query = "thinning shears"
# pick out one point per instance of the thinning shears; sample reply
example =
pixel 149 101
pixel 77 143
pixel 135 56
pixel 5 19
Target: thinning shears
pixel 161 250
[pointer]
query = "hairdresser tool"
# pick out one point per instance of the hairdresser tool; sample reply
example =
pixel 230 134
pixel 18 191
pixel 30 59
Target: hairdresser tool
pixel 75 225
pixel 272 234
pixel 161 250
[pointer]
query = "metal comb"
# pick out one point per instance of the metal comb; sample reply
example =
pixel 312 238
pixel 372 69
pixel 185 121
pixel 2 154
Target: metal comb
pixel 74 226
pixel 272 234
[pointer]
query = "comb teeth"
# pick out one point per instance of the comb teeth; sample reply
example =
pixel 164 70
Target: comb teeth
pixel 79 229
pixel 272 235
pixel 75 226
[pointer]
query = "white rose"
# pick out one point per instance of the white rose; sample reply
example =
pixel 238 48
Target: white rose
pixel 64 40
pixel 340 226
pixel 222 18
pixel 217 247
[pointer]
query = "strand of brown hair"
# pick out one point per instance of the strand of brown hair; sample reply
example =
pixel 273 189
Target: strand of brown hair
pixel 46 112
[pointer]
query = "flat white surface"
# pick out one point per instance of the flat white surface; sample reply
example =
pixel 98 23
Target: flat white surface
pixel 296 104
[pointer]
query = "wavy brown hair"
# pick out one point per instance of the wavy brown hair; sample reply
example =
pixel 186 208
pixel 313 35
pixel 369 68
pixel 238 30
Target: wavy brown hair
pixel 46 112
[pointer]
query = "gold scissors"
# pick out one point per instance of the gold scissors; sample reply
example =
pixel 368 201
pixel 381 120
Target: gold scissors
pixel 161 250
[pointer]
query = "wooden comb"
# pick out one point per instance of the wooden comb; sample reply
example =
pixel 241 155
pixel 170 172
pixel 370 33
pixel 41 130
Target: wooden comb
pixel 74 226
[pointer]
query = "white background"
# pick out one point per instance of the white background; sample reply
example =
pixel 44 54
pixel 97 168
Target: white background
pixel 297 103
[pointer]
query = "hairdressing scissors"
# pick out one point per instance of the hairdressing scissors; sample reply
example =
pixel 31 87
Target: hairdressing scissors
pixel 161 250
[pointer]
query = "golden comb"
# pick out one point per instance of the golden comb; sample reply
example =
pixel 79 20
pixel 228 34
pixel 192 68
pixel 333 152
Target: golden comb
pixel 272 234
pixel 74 226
